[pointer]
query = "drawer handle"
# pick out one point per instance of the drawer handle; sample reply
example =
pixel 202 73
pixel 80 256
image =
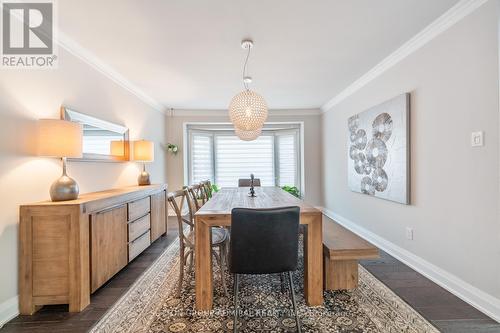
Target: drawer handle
pixel 141 199
pixel 139 237
pixel 139 218
pixel 109 209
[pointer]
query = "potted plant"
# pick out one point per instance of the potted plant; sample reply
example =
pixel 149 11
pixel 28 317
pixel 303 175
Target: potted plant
pixel 173 148
pixel 293 190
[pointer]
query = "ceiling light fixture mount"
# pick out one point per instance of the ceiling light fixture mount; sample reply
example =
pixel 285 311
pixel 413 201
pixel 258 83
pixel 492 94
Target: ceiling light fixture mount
pixel 247 110
pixel 247 44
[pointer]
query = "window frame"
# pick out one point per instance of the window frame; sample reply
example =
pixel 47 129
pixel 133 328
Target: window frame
pixel 298 159
pixel 274 129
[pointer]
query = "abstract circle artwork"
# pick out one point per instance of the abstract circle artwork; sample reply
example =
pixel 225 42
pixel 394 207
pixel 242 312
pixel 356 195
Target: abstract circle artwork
pixel 360 139
pixel 376 153
pixel 378 150
pixel 382 127
pixel 360 163
pixel 367 186
pixel 379 179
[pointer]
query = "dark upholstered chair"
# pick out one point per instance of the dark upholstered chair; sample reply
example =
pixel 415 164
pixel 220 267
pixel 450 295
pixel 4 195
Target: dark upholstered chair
pixel 242 182
pixel 264 241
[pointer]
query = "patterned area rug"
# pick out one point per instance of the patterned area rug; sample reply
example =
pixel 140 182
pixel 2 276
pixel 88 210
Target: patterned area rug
pixel 150 306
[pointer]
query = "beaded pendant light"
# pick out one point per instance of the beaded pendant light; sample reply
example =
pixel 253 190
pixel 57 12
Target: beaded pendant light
pixel 247 135
pixel 248 110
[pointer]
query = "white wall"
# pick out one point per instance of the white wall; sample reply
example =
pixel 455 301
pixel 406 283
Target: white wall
pixel 27 95
pixel 312 144
pixel 453 82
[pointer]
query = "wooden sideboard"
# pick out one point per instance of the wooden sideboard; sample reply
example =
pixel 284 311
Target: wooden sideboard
pixel 69 249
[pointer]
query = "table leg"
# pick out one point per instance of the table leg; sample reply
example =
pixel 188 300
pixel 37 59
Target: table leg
pixel 203 264
pixel 313 262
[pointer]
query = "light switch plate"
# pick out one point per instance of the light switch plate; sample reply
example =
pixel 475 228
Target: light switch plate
pixel 409 233
pixel 477 139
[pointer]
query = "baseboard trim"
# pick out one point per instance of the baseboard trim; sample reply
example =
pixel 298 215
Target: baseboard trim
pixel 9 310
pixel 477 298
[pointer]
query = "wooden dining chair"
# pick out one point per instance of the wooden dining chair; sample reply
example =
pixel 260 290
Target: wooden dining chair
pixel 207 188
pixel 198 194
pixel 220 237
pixel 244 182
pixel 264 241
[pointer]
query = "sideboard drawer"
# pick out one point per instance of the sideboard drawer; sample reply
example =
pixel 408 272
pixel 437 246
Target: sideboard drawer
pixel 138 208
pixel 138 227
pixel 137 246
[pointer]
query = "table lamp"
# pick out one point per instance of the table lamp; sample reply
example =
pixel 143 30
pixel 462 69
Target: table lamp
pixel 117 148
pixel 61 138
pixel 144 152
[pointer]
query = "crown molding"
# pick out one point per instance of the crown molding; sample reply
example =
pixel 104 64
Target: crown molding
pixel 224 113
pixel 462 9
pixel 68 44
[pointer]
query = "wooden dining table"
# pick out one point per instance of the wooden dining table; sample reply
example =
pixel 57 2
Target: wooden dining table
pixel 217 212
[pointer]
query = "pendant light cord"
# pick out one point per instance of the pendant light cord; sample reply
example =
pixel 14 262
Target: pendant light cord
pixel 245 84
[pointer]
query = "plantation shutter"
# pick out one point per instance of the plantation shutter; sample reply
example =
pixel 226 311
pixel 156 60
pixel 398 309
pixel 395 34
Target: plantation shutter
pixel 202 167
pixel 287 157
pixel 235 159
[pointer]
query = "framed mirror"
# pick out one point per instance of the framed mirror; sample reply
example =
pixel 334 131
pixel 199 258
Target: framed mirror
pixel 102 140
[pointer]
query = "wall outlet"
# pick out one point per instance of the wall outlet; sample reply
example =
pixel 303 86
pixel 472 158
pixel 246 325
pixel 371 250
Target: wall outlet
pixel 409 233
pixel 477 139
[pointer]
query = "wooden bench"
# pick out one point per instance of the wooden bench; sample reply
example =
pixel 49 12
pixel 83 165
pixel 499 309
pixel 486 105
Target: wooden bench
pixel 341 251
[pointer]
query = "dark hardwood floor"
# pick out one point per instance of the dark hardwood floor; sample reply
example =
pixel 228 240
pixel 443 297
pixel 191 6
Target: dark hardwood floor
pixel 443 309
pixel 57 319
pixel 447 312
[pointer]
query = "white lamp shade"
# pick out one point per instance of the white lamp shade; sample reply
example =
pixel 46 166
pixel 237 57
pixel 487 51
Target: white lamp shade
pixel 144 151
pixel 117 148
pixel 248 135
pixel 59 138
pixel 248 111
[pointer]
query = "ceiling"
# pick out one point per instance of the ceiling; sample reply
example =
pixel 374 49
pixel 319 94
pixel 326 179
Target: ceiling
pixel 187 54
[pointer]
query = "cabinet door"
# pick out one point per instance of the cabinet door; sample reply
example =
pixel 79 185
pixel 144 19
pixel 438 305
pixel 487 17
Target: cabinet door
pixel 108 244
pixel 158 215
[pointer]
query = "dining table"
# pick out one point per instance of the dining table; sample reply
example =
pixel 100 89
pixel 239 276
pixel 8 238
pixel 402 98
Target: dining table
pixel 216 212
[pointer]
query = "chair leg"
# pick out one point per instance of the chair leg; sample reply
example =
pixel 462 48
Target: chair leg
pixel 292 294
pixel 181 272
pixel 235 320
pixel 282 280
pixel 216 255
pixel 223 261
pixel 191 261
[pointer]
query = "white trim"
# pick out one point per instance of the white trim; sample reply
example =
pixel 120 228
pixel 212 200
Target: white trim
pixel 92 60
pixel 224 113
pixel 302 140
pixel 185 156
pixel 441 24
pixel 9 310
pixel 498 84
pixel 89 120
pixel 465 291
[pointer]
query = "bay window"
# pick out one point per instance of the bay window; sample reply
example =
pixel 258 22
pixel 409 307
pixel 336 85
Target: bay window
pixel 214 152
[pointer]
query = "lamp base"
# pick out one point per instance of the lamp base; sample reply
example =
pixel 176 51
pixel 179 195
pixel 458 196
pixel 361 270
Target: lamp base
pixel 63 189
pixel 143 179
